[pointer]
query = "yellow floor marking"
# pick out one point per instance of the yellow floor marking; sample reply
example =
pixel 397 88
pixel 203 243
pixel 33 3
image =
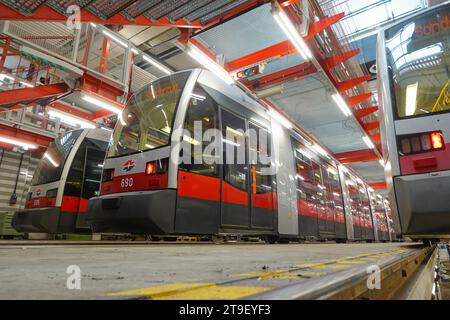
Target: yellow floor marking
pixel 262 275
pixel 166 289
pixel 351 262
pixel 216 292
pixel 333 266
pixel 310 265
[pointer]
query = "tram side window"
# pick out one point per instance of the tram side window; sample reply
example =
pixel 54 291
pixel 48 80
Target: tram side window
pixel 75 175
pixel 418 59
pixel 234 154
pixel 305 179
pixel 202 110
pixel 353 194
pixel 320 189
pixel 365 204
pixel 260 141
pixel 329 175
pixel 86 162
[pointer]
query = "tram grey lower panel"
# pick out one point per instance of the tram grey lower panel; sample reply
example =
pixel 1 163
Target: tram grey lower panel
pixel 424 203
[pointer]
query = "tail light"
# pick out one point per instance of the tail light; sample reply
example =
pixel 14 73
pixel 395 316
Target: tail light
pixel 108 175
pixel 422 142
pixel 156 167
pixel 51 193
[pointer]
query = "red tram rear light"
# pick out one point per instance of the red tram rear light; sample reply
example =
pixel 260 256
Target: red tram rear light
pixel 150 168
pixel 156 167
pixel 437 141
pixel 422 142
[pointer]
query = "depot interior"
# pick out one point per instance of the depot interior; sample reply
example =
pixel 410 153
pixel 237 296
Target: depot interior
pixel 312 64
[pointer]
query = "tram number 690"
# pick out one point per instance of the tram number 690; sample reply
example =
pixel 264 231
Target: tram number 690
pixel 126 182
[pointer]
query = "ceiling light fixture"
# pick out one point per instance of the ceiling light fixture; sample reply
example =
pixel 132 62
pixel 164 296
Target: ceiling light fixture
pixel 115 39
pixel 341 104
pixel 157 64
pixel 71 119
pixel 16 142
pixel 209 64
pixel 291 32
pixel 102 104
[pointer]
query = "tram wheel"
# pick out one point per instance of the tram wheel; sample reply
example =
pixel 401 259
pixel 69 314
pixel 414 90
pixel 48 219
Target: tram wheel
pixel 271 239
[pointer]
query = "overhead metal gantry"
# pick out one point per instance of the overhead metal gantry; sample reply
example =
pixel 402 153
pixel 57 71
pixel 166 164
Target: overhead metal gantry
pixel 168 13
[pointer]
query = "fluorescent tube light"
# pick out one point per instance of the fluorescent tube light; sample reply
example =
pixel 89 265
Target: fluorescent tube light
pixel 115 39
pixel 369 142
pixel 157 64
pixel 17 142
pixel 3 76
pixel 411 99
pixel 291 32
pixel 209 64
pixel 102 104
pixel 26 84
pixel 341 104
pixel 71 119
pixel 281 119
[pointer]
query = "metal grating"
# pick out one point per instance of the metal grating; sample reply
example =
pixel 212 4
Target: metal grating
pixel 186 9
pixel 139 7
pixel 62 5
pixel 164 8
pixel 105 9
pixel 222 10
pixel 25 7
pixel 216 5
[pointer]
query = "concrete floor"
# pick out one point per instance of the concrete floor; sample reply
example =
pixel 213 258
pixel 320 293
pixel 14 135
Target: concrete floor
pixel 39 272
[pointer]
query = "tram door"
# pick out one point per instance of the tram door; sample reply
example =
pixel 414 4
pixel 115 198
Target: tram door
pixel 90 183
pixel 328 174
pixel 235 209
pixel 261 187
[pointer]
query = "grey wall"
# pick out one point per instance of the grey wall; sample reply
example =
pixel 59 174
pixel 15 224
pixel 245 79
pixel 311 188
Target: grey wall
pixel 9 164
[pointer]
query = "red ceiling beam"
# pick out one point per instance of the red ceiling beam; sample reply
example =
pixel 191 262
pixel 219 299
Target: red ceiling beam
pixel 348 84
pixel 45 13
pixel 280 49
pixel 333 61
pixel 26 136
pixel 377 138
pixel 353 101
pixel 70 110
pixel 364 112
pixel 316 27
pixel 378 185
pixel 276 51
pixel 369 126
pixel 16 96
pixel 356 156
pixel 295 72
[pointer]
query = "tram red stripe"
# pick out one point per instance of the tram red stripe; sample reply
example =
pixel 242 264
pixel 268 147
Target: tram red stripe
pixel 191 185
pixel 262 200
pixel 233 195
pixel 134 182
pixel 40 202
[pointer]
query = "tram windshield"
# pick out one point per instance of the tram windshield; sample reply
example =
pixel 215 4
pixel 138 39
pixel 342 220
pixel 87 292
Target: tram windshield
pixel 418 58
pixel 146 122
pixel 52 163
